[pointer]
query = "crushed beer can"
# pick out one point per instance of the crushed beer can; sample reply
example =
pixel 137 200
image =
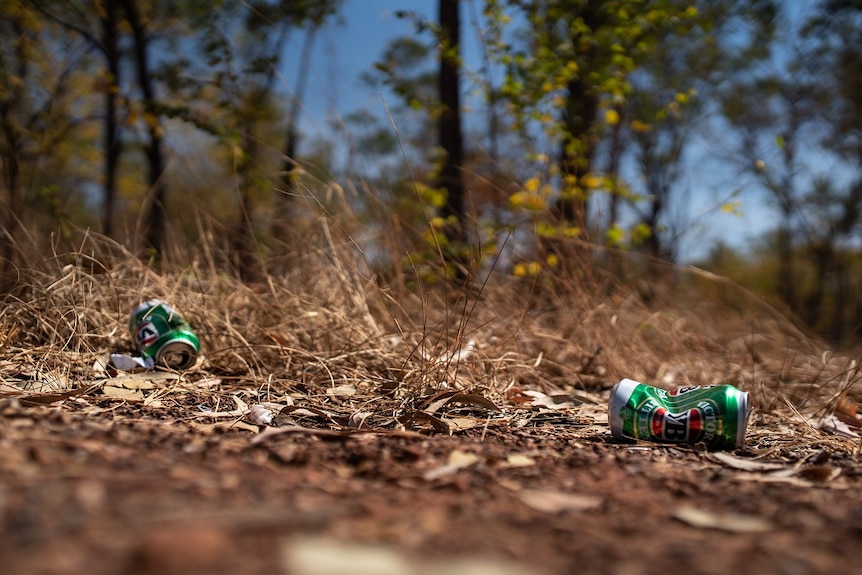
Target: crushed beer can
pixel 716 415
pixel 162 336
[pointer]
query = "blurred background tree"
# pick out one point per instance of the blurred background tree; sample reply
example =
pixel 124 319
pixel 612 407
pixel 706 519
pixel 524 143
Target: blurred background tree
pixel 582 128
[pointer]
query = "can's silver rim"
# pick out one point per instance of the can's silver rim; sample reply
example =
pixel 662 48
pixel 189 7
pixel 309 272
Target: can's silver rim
pixel 171 346
pixel 742 420
pixel 620 395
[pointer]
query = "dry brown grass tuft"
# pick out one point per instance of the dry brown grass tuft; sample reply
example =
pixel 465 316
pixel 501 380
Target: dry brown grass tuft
pixel 330 346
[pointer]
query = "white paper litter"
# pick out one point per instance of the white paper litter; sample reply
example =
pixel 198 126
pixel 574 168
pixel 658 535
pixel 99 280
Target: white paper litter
pixel 126 362
pixel 259 415
pixel 834 425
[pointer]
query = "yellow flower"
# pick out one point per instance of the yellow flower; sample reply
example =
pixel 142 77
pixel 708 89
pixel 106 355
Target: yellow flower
pixel 520 270
pixel 438 223
pixel 592 181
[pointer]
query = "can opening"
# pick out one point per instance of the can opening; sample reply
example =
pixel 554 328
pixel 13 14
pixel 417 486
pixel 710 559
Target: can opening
pixel 177 355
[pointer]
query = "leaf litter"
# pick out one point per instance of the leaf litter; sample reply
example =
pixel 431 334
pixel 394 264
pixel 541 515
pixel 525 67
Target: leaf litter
pixel 333 413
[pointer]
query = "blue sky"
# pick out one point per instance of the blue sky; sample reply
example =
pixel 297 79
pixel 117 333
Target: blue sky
pixel 345 50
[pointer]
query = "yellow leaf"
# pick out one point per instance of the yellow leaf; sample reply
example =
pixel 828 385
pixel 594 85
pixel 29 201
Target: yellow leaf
pixel 612 117
pixel 732 208
pixel 615 235
pixel 592 181
pixel 639 126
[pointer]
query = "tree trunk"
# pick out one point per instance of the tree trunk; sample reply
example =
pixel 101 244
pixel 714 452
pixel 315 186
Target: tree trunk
pixel 9 253
pixel 111 144
pixel 449 122
pixel 288 196
pixel 154 236
pixel 10 159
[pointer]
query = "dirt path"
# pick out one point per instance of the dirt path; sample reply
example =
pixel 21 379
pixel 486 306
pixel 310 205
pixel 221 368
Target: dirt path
pixel 131 489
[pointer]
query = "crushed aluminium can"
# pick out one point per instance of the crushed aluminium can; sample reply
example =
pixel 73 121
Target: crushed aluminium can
pixel 716 415
pixel 162 336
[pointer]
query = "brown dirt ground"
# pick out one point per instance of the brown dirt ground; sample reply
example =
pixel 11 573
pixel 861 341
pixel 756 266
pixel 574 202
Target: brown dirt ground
pixel 98 485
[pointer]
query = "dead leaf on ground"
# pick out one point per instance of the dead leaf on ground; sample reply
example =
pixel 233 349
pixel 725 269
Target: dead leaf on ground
pixel 534 398
pixel 46 382
pixel 415 419
pixel 357 419
pixel 328 557
pixel 730 522
pixel 436 402
pixel 346 390
pixel 123 393
pixel 457 461
pixel 553 501
pixel 835 426
pixel 745 464
pixel 519 460
pixel 846 412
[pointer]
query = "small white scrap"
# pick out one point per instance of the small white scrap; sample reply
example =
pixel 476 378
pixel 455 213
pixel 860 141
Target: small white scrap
pixel 259 415
pixel 834 425
pixel 126 362
pixel 453 356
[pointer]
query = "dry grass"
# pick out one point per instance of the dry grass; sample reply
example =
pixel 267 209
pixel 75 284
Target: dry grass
pixel 327 337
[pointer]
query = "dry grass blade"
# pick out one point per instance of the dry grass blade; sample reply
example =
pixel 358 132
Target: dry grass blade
pixel 324 338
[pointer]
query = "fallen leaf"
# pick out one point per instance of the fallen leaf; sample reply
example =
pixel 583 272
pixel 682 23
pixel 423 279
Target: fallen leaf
pixel 47 382
pixel 317 556
pixel 730 522
pixel 519 460
pixel 819 473
pixel 533 398
pixel 284 416
pixel 846 412
pixel 463 423
pixel 445 397
pixel 457 460
pixel 102 362
pixel 48 398
pixel 745 464
pixel 357 418
pixel 552 501
pixel 131 382
pixel 846 407
pixel 411 419
pixel 345 390
pixel 124 393
pixel 834 425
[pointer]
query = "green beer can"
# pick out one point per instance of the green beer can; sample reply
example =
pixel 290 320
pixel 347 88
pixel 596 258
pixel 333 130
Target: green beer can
pixel 162 336
pixel 716 415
